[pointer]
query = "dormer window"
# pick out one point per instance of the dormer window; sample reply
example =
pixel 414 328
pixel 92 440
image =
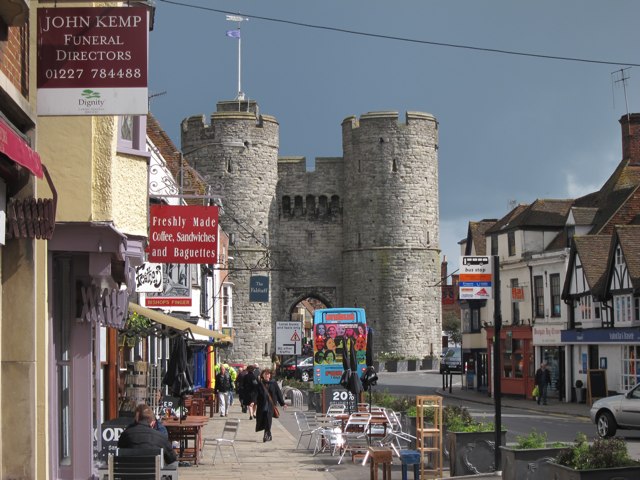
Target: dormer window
pixel 619 259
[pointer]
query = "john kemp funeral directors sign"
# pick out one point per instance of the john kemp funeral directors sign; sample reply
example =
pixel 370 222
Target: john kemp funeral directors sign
pixel 183 234
pixel 92 61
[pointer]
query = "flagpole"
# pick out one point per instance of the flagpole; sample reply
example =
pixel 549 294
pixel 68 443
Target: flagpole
pixel 239 19
pixel 240 94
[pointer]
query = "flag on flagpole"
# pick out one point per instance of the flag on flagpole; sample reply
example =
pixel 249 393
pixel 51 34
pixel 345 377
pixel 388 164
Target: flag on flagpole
pixel 233 33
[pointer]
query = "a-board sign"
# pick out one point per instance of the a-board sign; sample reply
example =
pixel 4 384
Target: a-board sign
pixel 110 434
pixel 596 385
pixel 170 402
pixel 337 394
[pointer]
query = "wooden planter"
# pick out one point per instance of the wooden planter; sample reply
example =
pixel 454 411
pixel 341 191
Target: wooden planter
pixel 560 472
pixel 472 452
pixel 412 365
pixel 529 464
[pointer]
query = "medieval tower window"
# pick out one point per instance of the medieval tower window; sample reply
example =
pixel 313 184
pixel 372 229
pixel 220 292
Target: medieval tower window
pixel 334 207
pixel 297 206
pixel 286 205
pixel 311 205
pixel 322 205
pixel 229 166
pixel 310 238
pixel 394 166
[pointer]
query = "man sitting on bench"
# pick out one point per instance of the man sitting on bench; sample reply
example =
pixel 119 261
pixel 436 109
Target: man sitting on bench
pixel 142 434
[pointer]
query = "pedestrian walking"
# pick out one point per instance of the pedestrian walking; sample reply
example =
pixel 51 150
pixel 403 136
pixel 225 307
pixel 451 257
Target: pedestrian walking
pixel 242 372
pixel 269 396
pixel 250 389
pixel 543 380
pixel 222 389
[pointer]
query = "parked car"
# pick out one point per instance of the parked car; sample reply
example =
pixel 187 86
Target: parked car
pixel 617 412
pixel 304 371
pixel 452 360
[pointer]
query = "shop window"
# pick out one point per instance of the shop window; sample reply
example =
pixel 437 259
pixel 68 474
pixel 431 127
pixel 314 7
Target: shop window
pixel 554 279
pixel 466 320
pixel 132 134
pixel 636 309
pixel 630 366
pixel 538 289
pixel 513 358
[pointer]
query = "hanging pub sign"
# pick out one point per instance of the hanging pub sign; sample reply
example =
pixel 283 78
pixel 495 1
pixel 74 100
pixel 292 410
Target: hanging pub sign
pixel 259 289
pixel 149 278
pixel 92 61
pixel 176 288
pixel 183 234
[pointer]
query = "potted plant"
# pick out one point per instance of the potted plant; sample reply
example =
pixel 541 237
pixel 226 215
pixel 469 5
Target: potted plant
pixel 529 458
pixel 412 364
pixel 427 363
pixel 471 444
pixel 605 459
pixel 393 362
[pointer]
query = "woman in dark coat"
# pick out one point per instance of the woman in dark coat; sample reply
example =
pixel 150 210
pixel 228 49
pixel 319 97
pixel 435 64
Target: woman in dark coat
pixel 250 389
pixel 269 394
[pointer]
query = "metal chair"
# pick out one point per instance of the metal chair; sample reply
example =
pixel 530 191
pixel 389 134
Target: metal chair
pixel 228 438
pixel 135 465
pixel 356 435
pixel 336 409
pixel 329 435
pixel 306 427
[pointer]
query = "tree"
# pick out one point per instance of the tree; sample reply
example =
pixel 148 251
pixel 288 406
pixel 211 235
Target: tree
pixel 451 326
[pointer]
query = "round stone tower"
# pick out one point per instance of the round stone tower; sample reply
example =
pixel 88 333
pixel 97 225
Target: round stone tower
pixel 237 154
pixel 391 255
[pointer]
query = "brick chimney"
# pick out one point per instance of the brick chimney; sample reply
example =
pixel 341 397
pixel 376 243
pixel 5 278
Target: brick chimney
pixel 631 138
pixel 444 271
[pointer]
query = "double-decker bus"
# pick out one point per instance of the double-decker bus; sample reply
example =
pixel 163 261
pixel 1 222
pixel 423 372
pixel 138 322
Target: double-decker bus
pixel 333 329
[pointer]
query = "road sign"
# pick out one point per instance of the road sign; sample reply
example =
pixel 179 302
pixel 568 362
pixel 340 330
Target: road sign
pixel 288 338
pixel 476 278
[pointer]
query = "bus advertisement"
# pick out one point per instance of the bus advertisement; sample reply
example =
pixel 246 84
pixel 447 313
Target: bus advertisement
pixel 332 329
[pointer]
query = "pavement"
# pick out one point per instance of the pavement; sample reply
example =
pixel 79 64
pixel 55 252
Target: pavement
pixel 279 459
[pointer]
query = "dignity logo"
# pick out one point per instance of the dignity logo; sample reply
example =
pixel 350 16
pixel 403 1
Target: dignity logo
pixel 91 98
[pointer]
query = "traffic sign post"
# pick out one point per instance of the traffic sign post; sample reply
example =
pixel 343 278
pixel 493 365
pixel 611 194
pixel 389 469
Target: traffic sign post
pixel 476 278
pixel 288 338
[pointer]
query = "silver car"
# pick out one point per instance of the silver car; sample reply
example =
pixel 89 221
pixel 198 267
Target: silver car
pixel 617 412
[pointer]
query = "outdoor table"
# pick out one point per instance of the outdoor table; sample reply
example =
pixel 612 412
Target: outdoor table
pixel 185 432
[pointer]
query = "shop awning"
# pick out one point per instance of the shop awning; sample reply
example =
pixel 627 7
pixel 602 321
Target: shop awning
pixel 17 149
pixel 176 323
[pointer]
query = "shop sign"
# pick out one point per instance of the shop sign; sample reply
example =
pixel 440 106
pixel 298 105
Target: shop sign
pixel 546 335
pixel 176 287
pixel 149 278
pixel 110 432
pixel 601 335
pixel 183 234
pixel 92 61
